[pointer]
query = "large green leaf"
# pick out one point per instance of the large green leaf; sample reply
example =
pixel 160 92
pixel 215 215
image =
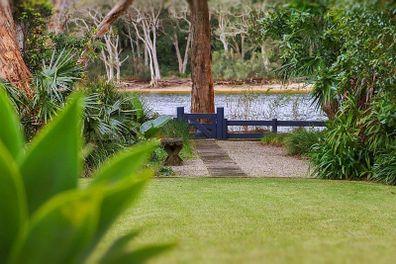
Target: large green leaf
pixel 151 128
pixel 53 161
pixel 60 230
pixel 116 198
pixel 120 253
pixel 13 210
pixel 125 163
pixel 10 132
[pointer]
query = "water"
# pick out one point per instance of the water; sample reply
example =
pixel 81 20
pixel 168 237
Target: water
pixel 243 106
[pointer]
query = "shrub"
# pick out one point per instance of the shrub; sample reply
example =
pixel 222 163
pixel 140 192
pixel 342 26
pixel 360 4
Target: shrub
pixel 358 141
pixel 300 142
pixel 41 204
pixel 53 83
pixel 111 120
pixel 341 155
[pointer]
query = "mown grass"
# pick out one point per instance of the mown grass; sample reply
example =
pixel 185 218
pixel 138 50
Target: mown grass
pixel 266 221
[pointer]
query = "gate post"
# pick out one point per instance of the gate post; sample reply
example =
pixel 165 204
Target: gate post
pixel 219 123
pixel 225 129
pixel 180 113
pixel 275 125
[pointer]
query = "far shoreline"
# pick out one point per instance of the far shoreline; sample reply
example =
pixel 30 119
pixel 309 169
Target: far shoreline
pixel 184 87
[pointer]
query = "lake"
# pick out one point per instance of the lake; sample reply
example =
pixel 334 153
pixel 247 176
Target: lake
pixel 249 106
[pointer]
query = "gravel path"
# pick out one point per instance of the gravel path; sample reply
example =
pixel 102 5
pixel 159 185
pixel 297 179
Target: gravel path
pixel 257 160
pixel 254 159
pixel 191 168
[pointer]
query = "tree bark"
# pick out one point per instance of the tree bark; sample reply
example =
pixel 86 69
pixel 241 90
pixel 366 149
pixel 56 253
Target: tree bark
pixel 57 21
pixel 202 95
pixel 12 67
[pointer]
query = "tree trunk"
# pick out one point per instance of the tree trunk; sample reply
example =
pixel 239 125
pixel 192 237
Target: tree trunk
pixel 243 46
pixel 178 54
pixel 330 109
pixel 186 52
pixel 57 21
pixel 12 67
pixel 114 13
pixel 154 54
pixel 202 95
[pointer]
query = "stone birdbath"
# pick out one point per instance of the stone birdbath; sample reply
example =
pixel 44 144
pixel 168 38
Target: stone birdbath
pixel 172 146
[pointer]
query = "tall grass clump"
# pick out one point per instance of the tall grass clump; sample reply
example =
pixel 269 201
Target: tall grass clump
pixel 275 139
pixel 300 142
pixel 297 143
pixel 384 169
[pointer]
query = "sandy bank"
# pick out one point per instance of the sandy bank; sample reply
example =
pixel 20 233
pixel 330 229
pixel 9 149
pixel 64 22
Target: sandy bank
pixel 184 87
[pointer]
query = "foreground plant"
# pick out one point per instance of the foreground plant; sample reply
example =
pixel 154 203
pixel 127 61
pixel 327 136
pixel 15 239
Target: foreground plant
pixel 45 216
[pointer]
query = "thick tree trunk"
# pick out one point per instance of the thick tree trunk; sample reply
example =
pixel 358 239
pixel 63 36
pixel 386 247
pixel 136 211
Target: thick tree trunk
pixel 202 95
pixel 12 66
pixel 57 21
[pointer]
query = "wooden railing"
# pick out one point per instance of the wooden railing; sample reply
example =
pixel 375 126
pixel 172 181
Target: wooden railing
pixel 216 126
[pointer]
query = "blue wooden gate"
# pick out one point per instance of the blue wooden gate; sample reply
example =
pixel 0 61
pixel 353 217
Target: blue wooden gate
pixel 215 126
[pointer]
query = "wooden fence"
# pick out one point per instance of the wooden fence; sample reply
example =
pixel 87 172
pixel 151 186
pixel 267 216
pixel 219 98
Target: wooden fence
pixel 216 125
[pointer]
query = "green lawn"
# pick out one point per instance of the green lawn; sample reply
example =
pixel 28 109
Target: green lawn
pixel 266 220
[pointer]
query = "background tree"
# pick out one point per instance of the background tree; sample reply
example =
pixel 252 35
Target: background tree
pixel 145 19
pixel 58 18
pixel 180 25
